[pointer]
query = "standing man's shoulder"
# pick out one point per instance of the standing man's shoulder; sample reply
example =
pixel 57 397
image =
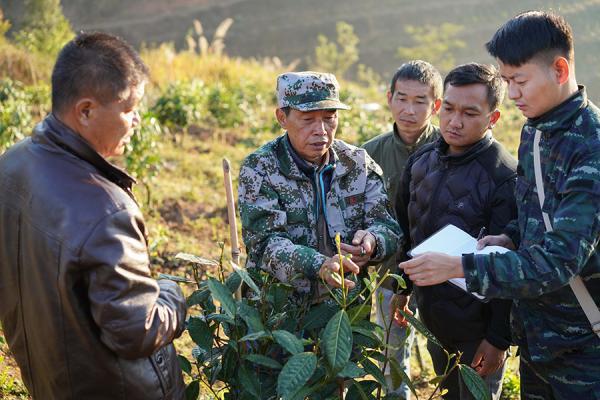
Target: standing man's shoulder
pixel 375 144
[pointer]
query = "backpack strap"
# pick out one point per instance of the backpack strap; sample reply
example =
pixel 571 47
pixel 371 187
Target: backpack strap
pixel 581 293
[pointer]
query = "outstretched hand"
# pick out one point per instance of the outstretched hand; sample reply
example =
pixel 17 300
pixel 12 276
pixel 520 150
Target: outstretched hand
pixel 432 268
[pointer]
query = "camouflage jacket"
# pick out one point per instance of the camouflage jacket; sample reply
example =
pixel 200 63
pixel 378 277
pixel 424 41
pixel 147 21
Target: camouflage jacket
pixel 278 210
pixel 546 316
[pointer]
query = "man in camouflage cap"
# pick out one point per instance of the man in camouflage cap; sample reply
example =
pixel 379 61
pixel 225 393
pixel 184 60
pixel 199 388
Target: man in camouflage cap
pixel 297 191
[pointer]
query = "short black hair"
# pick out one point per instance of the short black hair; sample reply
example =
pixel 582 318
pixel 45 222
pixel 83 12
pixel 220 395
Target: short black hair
pixel 420 71
pixel 95 64
pixel 473 73
pixel 532 34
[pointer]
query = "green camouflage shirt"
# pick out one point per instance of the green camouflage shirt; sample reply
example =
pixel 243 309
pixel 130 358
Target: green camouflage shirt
pixel 277 208
pixel 546 315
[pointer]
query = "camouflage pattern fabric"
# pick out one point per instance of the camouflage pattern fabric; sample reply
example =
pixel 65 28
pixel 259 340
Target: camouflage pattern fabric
pixel 278 211
pixel 547 320
pixel 308 91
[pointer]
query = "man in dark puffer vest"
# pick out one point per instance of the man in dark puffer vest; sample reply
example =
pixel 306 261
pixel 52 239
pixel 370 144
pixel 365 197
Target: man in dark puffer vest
pixel 467 179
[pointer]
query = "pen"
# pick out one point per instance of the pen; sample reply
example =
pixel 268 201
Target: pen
pixel 482 233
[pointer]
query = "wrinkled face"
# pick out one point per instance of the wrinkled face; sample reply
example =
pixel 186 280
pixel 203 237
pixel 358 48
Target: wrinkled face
pixel 532 86
pixel 465 116
pixel 412 105
pixel 311 132
pixel 111 125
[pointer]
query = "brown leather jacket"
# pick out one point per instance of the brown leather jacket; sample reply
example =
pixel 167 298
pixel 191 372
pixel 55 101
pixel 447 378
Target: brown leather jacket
pixel 80 311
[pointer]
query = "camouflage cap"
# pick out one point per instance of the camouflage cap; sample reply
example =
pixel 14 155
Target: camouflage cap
pixel 309 91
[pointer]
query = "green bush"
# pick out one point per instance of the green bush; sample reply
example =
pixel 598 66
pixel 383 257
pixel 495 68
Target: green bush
pixel 20 107
pixel 181 104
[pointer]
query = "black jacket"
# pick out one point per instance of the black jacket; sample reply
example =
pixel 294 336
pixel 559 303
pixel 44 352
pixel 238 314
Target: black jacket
pixel 80 311
pixel 471 190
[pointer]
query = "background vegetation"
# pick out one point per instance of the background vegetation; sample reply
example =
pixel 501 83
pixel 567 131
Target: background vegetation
pixel 203 105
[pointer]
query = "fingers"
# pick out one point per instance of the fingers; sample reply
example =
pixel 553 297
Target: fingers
pixel 360 256
pixel 487 241
pixel 358 237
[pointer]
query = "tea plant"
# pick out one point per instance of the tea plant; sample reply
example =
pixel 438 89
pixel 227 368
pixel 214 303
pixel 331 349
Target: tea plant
pixel 276 344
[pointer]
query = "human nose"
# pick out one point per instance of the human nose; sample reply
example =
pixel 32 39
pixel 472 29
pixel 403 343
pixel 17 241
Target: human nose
pixel 456 121
pixel 319 127
pixel 513 91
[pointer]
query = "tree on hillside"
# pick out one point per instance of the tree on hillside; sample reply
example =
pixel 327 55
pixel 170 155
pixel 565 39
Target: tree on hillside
pixel 435 44
pixel 45 28
pixel 337 57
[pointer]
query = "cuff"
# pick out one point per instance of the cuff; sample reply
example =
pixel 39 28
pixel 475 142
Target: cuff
pixel 470 271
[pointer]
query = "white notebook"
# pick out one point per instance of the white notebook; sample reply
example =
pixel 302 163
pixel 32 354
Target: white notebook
pixel 454 242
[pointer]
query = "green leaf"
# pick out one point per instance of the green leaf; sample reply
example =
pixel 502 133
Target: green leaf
pixel 233 282
pixel 351 370
pixel 249 381
pixel 192 391
pixel 185 364
pixel 288 341
pixel 222 295
pixel 200 333
pixel 196 260
pixel 362 390
pixel 174 278
pixel 318 316
pixel 295 373
pixel 359 312
pixel 245 277
pixel 337 341
pixel 198 297
pixel 400 280
pixel 365 332
pixel 399 376
pixel 418 325
pixel 474 383
pixel 263 360
pixel 374 371
pixel 255 336
pixel 220 318
pixel 251 316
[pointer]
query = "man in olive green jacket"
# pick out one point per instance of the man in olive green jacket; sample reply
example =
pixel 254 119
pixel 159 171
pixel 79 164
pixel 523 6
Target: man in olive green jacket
pixel 414 98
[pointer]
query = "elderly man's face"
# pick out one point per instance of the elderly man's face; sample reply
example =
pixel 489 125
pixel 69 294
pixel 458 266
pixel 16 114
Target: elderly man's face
pixel 311 132
pixel 112 125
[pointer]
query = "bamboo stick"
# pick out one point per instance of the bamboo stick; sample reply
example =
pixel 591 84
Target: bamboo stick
pixel 235 249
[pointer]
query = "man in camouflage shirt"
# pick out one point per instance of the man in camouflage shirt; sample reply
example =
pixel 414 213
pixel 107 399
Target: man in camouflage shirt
pixel 297 191
pixel 560 352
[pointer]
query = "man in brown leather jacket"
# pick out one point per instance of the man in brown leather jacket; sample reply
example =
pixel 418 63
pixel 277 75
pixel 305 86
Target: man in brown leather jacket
pixel 80 311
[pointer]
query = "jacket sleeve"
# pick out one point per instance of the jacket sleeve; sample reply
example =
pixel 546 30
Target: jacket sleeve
pixel 503 210
pixel 559 256
pixel 379 218
pixel 264 229
pixel 136 314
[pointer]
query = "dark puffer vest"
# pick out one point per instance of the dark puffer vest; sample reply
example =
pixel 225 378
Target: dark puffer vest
pixel 470 190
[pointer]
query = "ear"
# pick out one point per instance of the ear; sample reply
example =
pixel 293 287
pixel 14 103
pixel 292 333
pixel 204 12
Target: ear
pixel 561 70
pixel 84 110
pixel 281 117
pixel 494 118
pixel 389 97
pixel 437 103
